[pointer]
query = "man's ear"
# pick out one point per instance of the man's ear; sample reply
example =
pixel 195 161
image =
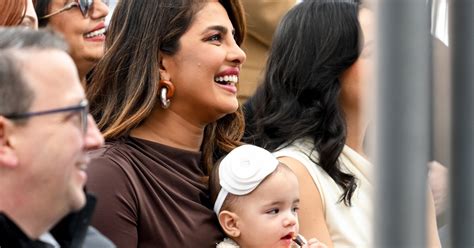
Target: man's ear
pixel 229 223
pixel 8 157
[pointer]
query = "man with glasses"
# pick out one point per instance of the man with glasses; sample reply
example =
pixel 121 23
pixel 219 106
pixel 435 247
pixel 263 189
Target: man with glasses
pixel 45 132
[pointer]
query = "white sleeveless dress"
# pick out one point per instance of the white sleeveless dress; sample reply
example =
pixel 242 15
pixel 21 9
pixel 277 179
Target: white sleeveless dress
pixel 348 226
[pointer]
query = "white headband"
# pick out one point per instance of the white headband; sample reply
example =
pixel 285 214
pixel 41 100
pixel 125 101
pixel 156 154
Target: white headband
pixel 242 170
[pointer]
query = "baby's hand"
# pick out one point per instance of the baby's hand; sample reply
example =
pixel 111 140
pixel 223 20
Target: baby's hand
pixel 314 243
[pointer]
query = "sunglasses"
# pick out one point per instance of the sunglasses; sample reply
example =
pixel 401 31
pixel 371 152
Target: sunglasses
pixel 84 6
pixel 82 108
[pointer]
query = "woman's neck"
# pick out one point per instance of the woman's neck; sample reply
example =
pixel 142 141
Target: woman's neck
pixel 169 128
pixel 83 82
pixel 83 68
pixel 356 128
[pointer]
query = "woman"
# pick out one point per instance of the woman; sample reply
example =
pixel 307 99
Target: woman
pixel 165 98
pixel 310 112
pixel 18 13
pixel 82 24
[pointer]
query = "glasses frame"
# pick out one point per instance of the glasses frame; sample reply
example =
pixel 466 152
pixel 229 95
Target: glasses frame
pixel 82 107
pixel 84 6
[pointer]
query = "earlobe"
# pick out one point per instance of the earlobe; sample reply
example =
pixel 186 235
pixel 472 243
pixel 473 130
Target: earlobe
pixel 8 157
pixel 229 223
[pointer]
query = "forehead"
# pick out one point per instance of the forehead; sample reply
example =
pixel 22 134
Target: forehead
pixel 57 2
pixel 53 77
pixel 282 185
pixel 212 13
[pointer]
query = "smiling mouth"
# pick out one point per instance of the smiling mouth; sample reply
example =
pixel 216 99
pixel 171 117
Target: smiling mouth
pixel 82 163
pixel 98 32
pixel 227 80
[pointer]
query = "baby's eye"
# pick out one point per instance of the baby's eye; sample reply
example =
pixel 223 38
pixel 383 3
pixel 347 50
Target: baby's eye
pixel 295 209
pixel 273 211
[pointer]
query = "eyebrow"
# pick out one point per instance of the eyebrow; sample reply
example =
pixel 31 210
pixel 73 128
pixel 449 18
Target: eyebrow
pixel 280 202
pixel 219 28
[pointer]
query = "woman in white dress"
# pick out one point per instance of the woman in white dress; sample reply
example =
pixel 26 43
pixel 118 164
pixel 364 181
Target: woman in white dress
pixel 310 112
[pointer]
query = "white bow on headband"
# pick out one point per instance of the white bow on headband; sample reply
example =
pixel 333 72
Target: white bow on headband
pixel 242 170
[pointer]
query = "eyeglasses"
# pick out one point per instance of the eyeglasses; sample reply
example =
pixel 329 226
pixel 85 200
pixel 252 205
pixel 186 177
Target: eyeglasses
pixel 84 6
pixel 82 107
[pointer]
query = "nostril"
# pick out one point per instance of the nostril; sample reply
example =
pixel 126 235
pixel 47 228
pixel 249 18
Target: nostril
pixel 237 61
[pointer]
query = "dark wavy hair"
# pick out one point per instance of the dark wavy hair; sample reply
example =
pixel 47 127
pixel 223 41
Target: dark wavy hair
pixel 314 44
pixel 42 9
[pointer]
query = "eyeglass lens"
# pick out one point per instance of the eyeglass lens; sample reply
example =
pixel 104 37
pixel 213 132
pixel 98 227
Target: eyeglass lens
pixel 84 115
pixel 85 5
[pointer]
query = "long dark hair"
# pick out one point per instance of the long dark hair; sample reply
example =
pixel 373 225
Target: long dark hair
pixel 42 9
pixel 314 44
pixel 124 86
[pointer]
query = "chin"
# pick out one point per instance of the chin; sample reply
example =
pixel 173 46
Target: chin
pixel 94 57
pixel 224 113
pixel 79 200
pixel 215 113
pixel 232 106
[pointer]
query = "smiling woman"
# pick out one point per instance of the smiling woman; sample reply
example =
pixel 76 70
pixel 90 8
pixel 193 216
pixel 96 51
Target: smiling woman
pixel 164 96
pixel 82 24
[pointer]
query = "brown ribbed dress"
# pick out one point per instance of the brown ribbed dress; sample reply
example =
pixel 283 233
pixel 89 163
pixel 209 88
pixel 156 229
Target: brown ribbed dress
pixel 151 195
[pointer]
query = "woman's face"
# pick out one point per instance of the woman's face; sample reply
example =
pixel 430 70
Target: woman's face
pixel 356 79
pixel 206 67
pixel 85 35
pixel 30 19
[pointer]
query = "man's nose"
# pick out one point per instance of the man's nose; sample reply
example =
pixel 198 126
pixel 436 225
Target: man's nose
pixel 93 138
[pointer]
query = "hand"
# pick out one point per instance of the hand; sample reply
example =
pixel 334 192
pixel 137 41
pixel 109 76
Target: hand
pixel 438 181
pixel 314 243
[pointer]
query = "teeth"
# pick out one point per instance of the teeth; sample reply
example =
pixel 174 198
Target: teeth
pixel 230 79
pixel 83 166
pixel 95 33
pixel 82 163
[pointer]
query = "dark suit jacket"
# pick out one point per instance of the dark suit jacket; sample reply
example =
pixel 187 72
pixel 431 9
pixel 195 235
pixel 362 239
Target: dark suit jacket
pixel 73 231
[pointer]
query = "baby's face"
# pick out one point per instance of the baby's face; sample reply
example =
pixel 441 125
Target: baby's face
pixel 268 215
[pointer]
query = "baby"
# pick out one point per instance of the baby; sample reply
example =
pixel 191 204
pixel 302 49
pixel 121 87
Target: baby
pixel 256 200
